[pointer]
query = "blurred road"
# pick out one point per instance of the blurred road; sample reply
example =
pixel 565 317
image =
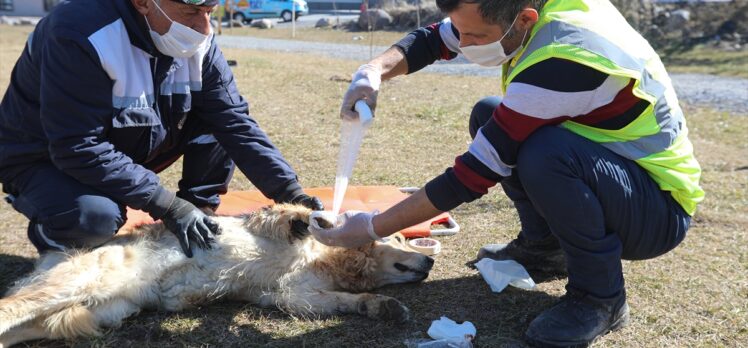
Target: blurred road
pixel 311 19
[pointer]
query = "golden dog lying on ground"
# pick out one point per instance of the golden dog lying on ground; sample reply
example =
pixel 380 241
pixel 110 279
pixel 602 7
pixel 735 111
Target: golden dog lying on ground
pixel 265 258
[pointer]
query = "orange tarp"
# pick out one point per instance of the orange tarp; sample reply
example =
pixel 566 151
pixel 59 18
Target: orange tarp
pixel 365 198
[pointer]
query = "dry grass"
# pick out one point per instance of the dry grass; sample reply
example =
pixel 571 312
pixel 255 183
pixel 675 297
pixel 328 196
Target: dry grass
pixel 695 296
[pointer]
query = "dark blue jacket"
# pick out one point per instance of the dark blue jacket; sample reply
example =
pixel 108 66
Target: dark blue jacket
pixel 92 95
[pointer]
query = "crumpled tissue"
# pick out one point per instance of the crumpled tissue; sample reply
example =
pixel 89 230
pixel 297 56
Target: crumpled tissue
pixel 446 328
pixel 499 274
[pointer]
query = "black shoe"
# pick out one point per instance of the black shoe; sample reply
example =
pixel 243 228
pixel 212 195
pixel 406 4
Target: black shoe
pixel 544 255
pixel 578 320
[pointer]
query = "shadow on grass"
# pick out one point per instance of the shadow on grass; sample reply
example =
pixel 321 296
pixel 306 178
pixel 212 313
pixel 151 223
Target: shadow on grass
pixel 500 319
pixel 13 268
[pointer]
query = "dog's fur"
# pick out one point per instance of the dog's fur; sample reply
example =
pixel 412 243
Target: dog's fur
pixel 265 258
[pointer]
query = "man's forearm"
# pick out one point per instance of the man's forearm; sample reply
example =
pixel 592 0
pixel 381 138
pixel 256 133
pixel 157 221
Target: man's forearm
pixel 392 63
pixel 413 210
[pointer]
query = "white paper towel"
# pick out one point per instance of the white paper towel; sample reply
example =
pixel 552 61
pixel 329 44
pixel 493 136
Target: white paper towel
pixel 446 328
pixel 499 274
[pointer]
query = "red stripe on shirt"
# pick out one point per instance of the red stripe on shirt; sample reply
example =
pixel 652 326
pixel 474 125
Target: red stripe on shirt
pixel 471 179
pixel 624 100
pixel 519 126
pixel 445 53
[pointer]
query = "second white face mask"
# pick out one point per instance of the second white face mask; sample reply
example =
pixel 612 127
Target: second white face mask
pixel 180 41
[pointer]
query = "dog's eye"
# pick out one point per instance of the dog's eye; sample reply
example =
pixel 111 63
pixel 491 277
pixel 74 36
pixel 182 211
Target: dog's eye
pixel 402 268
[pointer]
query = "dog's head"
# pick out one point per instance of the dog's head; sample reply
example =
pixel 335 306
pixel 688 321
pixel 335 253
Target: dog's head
pixel 397 263
pixel 360 269
pixel 375 265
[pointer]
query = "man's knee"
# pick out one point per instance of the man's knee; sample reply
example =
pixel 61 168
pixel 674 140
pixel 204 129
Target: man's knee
pixel 93 221
pixel 100 216
pixel 482 112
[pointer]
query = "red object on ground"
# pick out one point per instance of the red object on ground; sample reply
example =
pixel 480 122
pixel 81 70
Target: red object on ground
pixel 365 198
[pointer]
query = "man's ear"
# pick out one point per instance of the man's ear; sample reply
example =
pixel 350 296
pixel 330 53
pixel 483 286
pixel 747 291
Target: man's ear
pixel 527 18
pixel 142 6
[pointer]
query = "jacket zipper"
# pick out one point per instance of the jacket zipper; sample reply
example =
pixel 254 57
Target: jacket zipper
pixel 156 87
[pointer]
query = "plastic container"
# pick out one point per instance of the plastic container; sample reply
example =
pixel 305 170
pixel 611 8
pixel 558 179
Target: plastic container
pixel 426 246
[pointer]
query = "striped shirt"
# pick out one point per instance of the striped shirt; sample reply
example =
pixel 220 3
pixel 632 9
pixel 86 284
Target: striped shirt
pixel 547 93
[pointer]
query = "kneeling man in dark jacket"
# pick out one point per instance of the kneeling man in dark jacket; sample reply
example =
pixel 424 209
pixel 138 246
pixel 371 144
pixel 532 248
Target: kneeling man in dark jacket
pixel 108 93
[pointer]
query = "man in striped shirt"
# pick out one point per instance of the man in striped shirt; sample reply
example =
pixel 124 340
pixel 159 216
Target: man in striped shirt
pixel 588 142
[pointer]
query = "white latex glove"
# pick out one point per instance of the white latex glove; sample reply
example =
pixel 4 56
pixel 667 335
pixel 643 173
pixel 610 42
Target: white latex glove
pixel 354 230
pixel 364 85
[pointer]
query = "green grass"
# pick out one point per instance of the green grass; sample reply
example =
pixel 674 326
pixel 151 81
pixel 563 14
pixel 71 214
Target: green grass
pixel 695 296
pixel 708 60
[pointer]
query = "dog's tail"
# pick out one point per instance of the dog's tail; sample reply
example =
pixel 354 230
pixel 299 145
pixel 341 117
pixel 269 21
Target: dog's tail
pixel 29 301
pixel 85 279
pixel 43 293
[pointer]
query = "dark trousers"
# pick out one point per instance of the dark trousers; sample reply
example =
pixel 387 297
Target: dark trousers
pixel 601 207
pixel 63 213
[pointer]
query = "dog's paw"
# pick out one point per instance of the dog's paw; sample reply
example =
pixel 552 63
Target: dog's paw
pixel 299 230
pixel 385 308
pixel 323 222
pixel 393 310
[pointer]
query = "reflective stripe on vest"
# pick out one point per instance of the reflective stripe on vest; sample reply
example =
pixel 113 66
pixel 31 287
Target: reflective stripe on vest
pixel 657 139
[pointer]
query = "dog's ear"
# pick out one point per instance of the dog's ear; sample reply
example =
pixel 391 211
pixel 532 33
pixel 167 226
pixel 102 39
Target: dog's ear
pixel 352 269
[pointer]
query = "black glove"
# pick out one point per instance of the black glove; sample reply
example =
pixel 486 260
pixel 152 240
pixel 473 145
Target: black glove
pixel 189 223
pixel 308 201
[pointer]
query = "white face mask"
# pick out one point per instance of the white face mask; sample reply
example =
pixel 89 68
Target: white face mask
pixel 180 41
pixel 491 54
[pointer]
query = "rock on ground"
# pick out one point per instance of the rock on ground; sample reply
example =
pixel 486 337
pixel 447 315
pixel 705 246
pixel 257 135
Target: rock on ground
pixel 375 18
pixel 262 24
pixel 323 22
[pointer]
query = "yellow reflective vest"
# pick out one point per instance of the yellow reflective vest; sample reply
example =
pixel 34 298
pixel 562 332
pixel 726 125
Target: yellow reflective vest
pixel 595 34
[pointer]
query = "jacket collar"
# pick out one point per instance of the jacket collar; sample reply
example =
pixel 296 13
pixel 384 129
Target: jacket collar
pixel 137 30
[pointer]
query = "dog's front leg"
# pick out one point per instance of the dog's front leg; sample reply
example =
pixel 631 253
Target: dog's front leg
pixel 322 302
pixel 283 222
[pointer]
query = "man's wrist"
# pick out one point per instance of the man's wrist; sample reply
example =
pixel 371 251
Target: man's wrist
pixel 378 230
pixel 291 191
pixel 373 66
pixel 159 203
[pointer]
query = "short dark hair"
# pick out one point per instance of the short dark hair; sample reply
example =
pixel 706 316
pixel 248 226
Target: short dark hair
pixel 500 12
